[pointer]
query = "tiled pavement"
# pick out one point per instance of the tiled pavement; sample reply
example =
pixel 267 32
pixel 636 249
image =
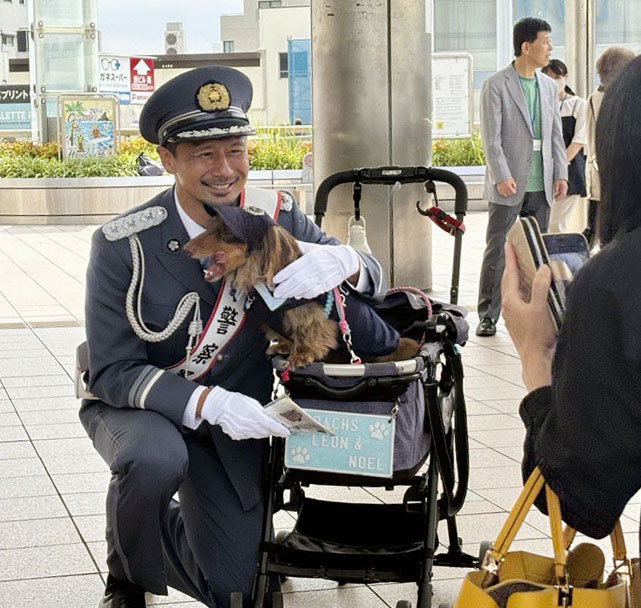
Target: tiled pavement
pixel 52 484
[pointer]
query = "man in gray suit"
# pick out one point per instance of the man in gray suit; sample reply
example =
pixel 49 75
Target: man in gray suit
pixel 526 166
pixel 177 369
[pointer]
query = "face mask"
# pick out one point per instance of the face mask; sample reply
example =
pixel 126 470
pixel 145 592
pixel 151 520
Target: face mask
pixel 560 85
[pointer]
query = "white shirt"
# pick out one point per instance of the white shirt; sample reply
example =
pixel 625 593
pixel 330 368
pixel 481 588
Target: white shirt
pixel 571 105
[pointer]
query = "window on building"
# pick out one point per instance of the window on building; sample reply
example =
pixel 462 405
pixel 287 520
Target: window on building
pixel 553 13
pixel 470 26
pixel 23 44
pixel 617 23
pixel 269 3
pixel 283 69
pixel 228 46
pixel 8 40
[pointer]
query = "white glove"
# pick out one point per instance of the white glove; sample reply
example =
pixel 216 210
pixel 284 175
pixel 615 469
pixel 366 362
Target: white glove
pixel 321 268
pixel 239 416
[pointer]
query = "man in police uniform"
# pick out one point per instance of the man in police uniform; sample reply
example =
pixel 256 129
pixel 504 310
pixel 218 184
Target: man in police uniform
pixel 177 399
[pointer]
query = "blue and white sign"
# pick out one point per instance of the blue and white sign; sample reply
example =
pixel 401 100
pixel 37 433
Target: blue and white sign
pixel 15 107
pixel 115 77
pixel 362 444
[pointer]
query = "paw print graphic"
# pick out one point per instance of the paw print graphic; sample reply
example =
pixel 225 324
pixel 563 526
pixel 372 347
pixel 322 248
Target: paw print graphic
pixel 378 430
pixel 299 455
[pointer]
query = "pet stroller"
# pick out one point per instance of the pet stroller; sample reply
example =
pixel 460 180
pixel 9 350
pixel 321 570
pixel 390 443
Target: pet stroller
pixel 390 419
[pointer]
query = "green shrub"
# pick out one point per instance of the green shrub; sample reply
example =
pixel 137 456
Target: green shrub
pixel 457 152
pixel 137 144
pixel 272 148
pixel 25 166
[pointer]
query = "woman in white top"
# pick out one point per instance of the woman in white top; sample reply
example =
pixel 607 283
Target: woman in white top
pixel 573 115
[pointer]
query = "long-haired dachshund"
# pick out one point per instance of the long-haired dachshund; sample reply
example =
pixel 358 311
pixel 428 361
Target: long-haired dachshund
pixel 248 244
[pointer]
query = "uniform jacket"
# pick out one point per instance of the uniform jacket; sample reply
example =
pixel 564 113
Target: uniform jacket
pixel 125 371
pixel 506 131
pixel 584 431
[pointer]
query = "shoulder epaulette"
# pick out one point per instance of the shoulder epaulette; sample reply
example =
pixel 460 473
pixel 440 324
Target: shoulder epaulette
pixel 135 222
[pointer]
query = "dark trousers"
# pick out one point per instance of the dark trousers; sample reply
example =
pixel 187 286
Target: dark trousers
pixel 206 546
pixel 500 220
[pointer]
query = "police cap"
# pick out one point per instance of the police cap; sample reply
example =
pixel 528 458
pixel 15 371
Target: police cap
pixel 248 224
pixel 205 103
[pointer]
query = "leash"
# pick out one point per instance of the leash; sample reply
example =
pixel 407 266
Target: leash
pixel 443 220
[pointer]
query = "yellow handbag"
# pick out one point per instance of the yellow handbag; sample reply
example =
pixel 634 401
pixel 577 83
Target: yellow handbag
pixel 519 579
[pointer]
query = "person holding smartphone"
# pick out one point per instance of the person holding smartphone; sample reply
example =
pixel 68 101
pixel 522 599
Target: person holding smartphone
pixel 583 409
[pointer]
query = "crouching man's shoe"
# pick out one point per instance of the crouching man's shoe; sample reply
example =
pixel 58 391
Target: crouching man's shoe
pixel 122 594
pixel 486 327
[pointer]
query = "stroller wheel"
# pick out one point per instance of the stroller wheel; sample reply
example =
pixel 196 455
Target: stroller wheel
pixel 236 600
pixel 277 599
pixel 281 535
pixel 484 547
pixel 403 604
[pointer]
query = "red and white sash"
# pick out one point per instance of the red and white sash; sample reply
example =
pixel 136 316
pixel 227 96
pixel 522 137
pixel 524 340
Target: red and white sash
pixel 228 314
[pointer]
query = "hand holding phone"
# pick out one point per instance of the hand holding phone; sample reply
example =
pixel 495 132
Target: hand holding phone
pixel 564 253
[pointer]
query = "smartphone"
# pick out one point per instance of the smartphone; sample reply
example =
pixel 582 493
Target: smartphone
pixel 565 255
pixel 567 252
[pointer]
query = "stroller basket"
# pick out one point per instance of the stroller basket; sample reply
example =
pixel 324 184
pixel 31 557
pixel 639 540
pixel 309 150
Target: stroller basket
pixel 393 390
pixel 385 541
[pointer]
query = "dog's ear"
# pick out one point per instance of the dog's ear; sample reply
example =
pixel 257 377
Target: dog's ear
pixel 278 249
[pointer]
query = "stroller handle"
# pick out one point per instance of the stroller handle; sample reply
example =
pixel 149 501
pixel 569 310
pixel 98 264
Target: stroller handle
pixel 390 176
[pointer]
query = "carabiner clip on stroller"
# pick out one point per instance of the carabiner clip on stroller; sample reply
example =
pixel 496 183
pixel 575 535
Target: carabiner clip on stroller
pixel 421 399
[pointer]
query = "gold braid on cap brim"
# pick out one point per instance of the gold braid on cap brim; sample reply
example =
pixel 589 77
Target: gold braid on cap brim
pixel 215 132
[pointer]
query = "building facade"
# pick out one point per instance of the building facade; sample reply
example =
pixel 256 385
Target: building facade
pixel 241 33
pixel 14 44
pixel 483 28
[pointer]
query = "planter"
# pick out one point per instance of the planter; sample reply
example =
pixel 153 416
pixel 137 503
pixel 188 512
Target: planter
pixel 94 200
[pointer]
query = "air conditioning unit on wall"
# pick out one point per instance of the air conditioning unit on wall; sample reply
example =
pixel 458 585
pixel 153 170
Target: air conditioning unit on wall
pixel 174 39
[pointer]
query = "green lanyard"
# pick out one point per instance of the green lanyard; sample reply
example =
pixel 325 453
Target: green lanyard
pixel 536 101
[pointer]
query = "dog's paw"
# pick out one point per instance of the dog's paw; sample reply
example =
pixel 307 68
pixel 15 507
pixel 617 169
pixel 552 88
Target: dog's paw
pixel 299 455
pixel 300 359
pixel 378 430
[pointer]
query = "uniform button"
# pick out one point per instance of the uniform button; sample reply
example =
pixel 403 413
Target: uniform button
pixel 220 357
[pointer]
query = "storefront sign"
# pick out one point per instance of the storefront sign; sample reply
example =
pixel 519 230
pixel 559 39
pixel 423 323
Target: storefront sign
pixel 15 107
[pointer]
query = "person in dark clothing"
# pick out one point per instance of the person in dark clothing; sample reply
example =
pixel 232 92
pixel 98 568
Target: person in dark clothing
pixel 583 409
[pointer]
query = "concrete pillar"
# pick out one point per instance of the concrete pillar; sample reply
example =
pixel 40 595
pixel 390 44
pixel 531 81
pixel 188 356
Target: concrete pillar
pixel 579 45
pixel 371 107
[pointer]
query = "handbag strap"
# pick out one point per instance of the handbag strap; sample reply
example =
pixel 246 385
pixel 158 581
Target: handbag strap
pixel 619 551
pixel 513 523
pixel 558 538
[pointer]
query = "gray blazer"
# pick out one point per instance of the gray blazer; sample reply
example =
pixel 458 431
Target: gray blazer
pixel 507 135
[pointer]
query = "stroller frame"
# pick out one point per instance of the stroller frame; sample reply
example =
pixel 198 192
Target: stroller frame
pixel 448 457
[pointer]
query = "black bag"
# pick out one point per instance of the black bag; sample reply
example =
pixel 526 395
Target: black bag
pixel 147 166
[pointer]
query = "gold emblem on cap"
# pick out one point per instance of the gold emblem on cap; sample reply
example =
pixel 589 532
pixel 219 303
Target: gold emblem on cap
pixel 213 96
pixel 254 210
